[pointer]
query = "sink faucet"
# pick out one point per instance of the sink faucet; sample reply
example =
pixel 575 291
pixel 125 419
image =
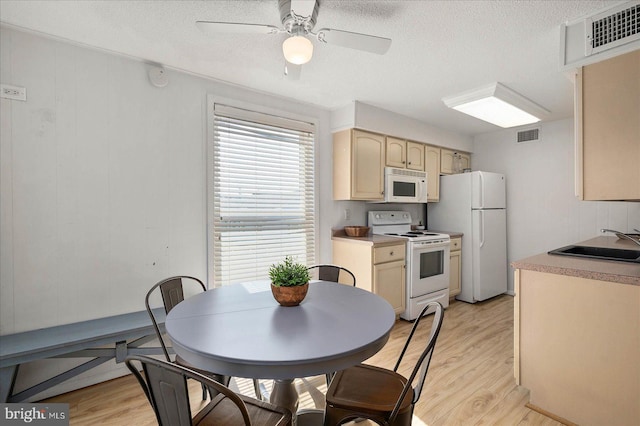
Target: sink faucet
pixel 621 235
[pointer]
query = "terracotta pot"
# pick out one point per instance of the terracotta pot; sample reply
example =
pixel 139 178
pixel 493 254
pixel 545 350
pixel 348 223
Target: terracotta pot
pixel 289 296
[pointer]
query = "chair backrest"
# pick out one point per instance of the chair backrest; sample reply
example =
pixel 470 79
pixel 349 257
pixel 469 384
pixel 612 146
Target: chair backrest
pixel 422 365
pixel 172 291
pixel 334 273
pixel 165 386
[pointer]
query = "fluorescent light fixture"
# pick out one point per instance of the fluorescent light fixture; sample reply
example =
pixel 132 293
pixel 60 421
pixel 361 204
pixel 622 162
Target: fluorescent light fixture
pixel 497 105
pixel 297 49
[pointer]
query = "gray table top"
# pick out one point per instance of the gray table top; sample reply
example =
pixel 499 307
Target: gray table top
pixel 241 331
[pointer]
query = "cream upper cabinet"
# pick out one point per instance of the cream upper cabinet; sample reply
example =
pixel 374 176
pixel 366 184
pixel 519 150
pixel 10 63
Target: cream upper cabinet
pixel 358 165
pixel 396 155
pixel 378 268
pixel 465 161
pixel 608 129
pixel 432 166
pixel 452 162
pixel 415 156
pixel 404 154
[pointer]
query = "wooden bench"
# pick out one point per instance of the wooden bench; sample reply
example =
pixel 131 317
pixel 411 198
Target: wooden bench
pixel 126 332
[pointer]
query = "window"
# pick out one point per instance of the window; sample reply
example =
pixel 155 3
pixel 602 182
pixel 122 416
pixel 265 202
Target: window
pixel 263 193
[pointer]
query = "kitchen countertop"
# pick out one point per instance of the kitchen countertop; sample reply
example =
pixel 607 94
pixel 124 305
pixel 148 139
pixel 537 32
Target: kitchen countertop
pixel 370 239
pixel 603 270
pixel 373 239
pixel 452 234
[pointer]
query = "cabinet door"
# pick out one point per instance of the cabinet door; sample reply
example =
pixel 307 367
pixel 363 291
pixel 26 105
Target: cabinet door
pixel 388 283
pixel 610 146
pixel 465 162
pixel 446 161
pixel 455 273
pixel 396 152
pixel 415 156
pixel 432 163
pixel 452 162
pixel 367 166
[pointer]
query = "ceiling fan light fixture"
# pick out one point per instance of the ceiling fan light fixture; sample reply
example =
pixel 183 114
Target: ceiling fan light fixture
pixel 297 49
pixel 497 105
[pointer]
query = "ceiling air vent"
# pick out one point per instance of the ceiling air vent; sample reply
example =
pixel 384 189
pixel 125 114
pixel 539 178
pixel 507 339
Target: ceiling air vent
pixel 529 135
pixel 612 28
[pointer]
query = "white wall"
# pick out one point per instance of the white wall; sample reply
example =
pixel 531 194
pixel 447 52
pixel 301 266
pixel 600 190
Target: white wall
pixel 368 117
pixel 542 211
pixel 103 184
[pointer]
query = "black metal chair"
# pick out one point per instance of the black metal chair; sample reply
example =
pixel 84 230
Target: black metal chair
pixel 334 273
pixel 165 386
pixel 381 395
pixel 172 291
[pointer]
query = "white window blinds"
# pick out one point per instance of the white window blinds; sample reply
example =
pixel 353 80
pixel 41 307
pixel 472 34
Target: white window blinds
pixel 263 193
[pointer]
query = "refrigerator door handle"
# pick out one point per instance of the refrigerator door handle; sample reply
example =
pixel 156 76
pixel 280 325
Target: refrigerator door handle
pixel 481 228
pixel 481 190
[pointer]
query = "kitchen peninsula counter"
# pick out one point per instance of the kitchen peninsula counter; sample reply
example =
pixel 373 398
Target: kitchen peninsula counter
pixel 602 270
pixel 576 340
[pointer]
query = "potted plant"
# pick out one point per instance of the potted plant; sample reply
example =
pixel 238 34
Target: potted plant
pixel 289 281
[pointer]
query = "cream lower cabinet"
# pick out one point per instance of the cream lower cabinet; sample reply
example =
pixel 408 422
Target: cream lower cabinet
pixel 455 273
pixel 577 346
pixel 378 268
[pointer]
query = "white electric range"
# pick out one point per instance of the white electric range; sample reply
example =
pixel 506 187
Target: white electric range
pixel 427 260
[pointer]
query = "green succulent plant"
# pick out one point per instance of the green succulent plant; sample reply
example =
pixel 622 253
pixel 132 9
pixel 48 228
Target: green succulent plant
pixel 289 273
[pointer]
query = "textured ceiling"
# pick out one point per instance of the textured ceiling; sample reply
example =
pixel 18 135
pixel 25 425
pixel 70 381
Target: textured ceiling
pixel 439 48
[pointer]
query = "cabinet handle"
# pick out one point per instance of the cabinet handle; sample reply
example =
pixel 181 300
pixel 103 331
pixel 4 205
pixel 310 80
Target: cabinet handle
pixel 403 162
pixel 391 254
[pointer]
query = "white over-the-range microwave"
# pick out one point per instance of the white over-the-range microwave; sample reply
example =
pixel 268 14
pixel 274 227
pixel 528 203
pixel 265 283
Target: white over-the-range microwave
pixel 404 186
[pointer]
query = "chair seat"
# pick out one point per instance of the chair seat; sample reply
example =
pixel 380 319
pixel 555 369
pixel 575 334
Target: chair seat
pixel 223 412
pixel 367 389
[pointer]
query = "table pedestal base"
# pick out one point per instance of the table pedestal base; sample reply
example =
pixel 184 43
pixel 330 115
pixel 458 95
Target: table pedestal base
pixel 285 394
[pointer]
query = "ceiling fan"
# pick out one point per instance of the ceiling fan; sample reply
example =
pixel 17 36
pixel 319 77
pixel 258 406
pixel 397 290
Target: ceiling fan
pixel 298 19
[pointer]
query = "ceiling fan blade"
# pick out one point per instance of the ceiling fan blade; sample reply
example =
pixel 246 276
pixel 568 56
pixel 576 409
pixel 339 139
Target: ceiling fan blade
pixel 368 43
pixel 292 71
pixel 211 28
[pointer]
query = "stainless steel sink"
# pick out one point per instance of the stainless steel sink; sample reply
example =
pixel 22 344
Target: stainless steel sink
pixel 602 253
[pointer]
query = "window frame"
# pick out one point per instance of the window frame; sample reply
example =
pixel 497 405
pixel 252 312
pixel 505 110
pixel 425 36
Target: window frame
pixel 212 100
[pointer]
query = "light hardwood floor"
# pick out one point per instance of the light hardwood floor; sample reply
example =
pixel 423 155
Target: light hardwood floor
pixel 470 381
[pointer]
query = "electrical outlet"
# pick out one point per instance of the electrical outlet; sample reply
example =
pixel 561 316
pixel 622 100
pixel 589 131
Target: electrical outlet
pixel 347 214
pixel 13 92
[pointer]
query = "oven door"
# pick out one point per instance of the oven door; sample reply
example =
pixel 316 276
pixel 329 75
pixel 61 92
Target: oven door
pixel 428 268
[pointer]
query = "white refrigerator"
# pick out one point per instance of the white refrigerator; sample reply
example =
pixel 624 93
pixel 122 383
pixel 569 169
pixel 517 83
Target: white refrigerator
pixel 475 204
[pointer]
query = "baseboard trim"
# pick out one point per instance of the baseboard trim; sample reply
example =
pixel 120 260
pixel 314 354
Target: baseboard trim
pixel 550 415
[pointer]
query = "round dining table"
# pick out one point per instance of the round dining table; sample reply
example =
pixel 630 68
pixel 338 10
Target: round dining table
pixel 241 331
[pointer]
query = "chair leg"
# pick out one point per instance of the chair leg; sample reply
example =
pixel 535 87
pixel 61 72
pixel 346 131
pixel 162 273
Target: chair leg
pixel 329 377
pixel 204 392
pixel 256 388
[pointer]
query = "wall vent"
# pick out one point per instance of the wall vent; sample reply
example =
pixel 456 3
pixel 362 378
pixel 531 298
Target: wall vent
pixel 612 28
pixel 528 135
pixel 604 34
